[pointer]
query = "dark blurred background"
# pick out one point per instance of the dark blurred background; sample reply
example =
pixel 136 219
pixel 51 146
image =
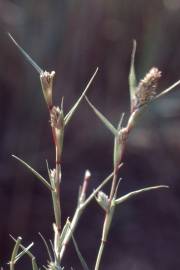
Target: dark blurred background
pixel 73 38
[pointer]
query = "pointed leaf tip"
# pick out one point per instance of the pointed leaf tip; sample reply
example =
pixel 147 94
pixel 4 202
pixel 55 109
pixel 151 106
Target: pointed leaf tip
pixel 30 60
pixel 137 192
pixel 103 119
pixel 40 177
pixel 167 90
pixel 82 260
pixel 132 73
pixel 74 108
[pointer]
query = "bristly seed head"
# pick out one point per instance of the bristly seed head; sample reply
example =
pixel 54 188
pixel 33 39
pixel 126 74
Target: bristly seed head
pixel 146 90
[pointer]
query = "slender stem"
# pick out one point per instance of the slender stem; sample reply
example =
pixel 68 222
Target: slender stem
pixel 113 186
pixel 107 220
pixel 57 127
pixel 34 264
pixel 57 192
pixel 56 178
pixel 79 210
pixel 14 253
pixel 55 184
pixel 105 232
pixel 56 207
pixel 70 231
pixel 100 252
pixel 110 211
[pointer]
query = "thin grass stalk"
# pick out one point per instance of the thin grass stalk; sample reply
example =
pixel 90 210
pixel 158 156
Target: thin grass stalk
pixel 120 139
pixel 79 211
pixel 14 253
pixel 110 211
pixel 71 230
pixel 107 221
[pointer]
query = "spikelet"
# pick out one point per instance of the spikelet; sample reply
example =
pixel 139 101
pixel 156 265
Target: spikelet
pixel 46 79
pixel 146 90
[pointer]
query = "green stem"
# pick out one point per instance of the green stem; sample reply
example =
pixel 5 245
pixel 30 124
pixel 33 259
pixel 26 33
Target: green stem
pixel 57 197
pixel 106 228
pixel 14 253
pixel 107 220
pixel 79 210
pixel 113 186
pixel 56 207
pixel 100 252
pixel 110 210
pixel 71 230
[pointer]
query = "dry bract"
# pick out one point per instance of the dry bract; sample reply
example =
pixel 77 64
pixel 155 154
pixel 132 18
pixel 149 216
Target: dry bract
pixel 46 79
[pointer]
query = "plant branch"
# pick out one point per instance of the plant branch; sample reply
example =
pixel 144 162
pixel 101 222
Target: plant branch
pixel 79 210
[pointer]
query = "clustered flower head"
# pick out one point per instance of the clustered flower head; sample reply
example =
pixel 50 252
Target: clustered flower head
pixel 146 90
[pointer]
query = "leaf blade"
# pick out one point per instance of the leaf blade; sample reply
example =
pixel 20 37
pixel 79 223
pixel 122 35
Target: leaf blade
pixel 136 192
pixel 82 260
pixel 166 91
pixel 26 55
pixel 74 108
pixel 103 119
pixel 40 177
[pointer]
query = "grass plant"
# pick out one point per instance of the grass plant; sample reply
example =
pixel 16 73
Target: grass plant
pixel 142 94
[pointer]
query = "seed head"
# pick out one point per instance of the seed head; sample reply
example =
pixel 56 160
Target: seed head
pixel 146 90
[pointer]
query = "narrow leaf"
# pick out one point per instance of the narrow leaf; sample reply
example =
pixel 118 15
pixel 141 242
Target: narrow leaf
pixel 30 60
pixel 40 177
pixel 49 173
pixel 23 252
pixel 132 75
pixel 63 234
pixel 33 259
pixel 167 90
pixel 83 262
pixel 73 109
pixel 15 251
pixel 52 247
pixel 118 148
pixel 46 246
pixel 103 118
pixel 120 122
pixel 137 192
pixel 116 190
pixel 23 248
